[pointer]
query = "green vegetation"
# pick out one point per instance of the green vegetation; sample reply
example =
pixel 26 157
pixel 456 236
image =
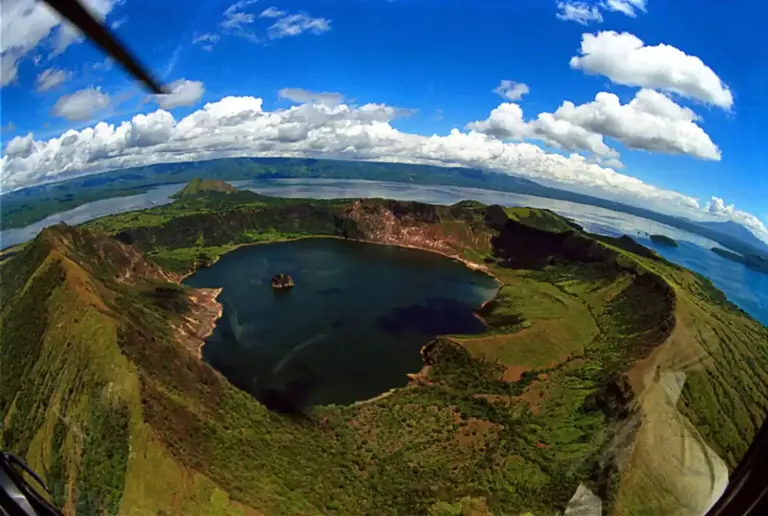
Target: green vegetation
pixel 197 186
pixel 101 390
pixel 541 219
pixel 549 324
pixel 664 240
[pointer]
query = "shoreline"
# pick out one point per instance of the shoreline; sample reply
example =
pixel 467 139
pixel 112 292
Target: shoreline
pixel 467 263
pixel 200 322
pixel 213 323
pixel 264 242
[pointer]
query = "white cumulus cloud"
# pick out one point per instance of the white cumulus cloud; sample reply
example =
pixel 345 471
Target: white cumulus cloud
pixel 625 59
pixel 182 92
pixel 20 146
pixel 562 133
pixel 81 105
pixel 651 121
pixel 152 129
pixel 511 90
pixel 505 122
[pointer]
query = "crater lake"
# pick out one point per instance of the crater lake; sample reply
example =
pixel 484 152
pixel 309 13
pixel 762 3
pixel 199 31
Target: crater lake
pixel 350 329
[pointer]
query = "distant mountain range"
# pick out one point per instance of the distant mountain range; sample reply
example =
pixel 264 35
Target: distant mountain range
pixel 728 234
pixel 736 230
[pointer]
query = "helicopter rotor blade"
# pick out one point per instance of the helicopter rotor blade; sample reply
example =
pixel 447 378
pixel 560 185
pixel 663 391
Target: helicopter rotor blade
pixel 79 16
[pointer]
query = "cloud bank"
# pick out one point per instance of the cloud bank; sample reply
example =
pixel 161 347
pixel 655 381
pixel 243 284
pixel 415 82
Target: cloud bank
pixel 239 126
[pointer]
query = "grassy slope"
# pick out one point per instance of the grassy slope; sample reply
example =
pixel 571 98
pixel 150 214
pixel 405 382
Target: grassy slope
pixel 71 399
pixel 460 435
pixel 571 282
pixel 197 186
pixel 540 219
pixel 704 395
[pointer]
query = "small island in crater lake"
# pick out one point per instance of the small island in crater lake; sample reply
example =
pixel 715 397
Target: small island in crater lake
pixel 664 240
pixel 436 360
pixel 282 280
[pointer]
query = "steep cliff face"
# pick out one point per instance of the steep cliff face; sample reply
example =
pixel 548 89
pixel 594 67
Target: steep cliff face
pixel 449 230
pixel 103 257
pixel 234 225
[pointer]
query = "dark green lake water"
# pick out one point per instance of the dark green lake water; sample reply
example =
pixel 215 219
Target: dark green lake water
pixel 350 329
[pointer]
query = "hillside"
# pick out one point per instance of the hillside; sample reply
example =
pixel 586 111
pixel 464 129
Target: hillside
pixel 197 186
pixel 92 329
pixel 594 355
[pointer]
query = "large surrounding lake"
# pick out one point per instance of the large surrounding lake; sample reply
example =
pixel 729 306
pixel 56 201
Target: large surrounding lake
pixel 351 328
pixel 745 287
pixel 156 196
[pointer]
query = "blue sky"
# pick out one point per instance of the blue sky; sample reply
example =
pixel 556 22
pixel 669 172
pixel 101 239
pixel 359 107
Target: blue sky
pixel 697 73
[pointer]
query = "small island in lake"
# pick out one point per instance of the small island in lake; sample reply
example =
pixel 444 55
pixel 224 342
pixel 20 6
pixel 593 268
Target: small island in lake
pixel 664 240
pixel 282 280
pixel 752 261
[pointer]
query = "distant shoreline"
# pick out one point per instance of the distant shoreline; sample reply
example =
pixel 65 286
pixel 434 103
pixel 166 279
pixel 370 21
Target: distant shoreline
pixel 250 169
